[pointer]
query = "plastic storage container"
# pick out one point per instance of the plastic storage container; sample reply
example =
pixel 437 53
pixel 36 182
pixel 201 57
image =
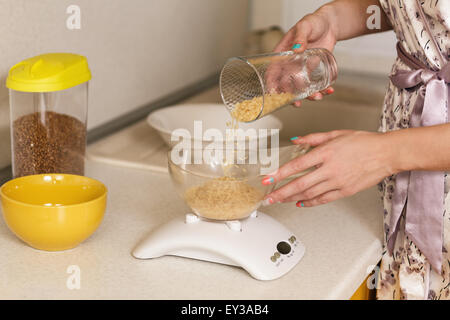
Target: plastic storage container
pixel 252 87
pixel 49 104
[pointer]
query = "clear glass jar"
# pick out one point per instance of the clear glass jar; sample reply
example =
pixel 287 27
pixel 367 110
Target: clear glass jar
pixel 48 108
pixel 252 87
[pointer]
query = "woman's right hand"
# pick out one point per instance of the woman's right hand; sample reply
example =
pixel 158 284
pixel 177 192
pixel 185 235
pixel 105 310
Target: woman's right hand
pixel 312 31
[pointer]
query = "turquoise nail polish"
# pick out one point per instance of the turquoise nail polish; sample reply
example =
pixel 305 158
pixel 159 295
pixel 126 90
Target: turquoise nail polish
pixel 268 180
pixel 297 46
pixel 294 138
pixel 299 204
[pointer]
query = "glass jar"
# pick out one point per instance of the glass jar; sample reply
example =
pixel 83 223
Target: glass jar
pixel 252 87
pixel 48 108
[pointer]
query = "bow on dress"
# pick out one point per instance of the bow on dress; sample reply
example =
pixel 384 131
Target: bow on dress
pixel 422 191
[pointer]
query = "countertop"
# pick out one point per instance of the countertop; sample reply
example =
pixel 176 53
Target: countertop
pixel 342 239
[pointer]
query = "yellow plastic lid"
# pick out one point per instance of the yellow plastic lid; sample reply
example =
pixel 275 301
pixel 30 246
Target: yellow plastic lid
pixel 49 72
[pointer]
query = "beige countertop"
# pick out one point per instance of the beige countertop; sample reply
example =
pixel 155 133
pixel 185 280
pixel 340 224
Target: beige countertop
pixel 342 239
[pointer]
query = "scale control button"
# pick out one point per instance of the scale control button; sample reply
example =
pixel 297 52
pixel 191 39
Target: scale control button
pixel 283 247
pixel 292 239
pixel 273 258
pixel 191 218
pixel 277 255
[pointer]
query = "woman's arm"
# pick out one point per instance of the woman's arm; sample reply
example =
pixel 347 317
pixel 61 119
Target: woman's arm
pixel 349 161
pixel 349 18
pixel 337 20
pixel 424 148
pixel 334 21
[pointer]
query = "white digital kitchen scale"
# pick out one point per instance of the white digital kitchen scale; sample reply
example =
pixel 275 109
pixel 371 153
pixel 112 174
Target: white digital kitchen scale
pixel 259 244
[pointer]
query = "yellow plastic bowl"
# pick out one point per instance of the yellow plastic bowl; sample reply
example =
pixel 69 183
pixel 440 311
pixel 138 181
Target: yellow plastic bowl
pixel 53 212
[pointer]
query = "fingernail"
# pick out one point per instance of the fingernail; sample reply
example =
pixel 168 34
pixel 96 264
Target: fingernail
pixel 330 90
pixel 267 181
pixel 317 96
pixel 300 204
pixel 267 202
pixel 296 46
pixel 294 138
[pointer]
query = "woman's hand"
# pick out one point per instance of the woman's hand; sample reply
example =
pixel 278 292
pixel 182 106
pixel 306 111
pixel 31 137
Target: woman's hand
pixel 346 162
pixel 313 31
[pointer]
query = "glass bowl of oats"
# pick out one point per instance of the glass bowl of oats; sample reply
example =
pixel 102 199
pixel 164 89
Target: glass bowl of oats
pixel 226 184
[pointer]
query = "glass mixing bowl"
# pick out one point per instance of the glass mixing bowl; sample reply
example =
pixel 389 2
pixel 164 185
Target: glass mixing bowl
pixel 217 189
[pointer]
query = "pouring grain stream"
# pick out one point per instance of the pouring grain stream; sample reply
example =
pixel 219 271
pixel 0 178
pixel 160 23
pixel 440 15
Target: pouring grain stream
pixel 226 197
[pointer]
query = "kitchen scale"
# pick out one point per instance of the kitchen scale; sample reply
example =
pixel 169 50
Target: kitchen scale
pixel 259 244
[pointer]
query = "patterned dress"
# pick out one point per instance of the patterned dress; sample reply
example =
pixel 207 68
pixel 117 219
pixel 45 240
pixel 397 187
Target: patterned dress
pixel 406 274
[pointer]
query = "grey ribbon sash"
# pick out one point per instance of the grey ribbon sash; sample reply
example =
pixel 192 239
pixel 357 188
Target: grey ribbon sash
pixel 422 192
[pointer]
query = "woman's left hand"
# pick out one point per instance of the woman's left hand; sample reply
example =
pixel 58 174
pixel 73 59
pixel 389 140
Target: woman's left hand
pixel 346 162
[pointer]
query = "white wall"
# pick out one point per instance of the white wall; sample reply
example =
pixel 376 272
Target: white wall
pixel 138 50
pixel 373 53
pixel 265 13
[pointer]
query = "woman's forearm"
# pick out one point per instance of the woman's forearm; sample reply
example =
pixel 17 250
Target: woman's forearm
pixel 349 18
pixel 424 148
